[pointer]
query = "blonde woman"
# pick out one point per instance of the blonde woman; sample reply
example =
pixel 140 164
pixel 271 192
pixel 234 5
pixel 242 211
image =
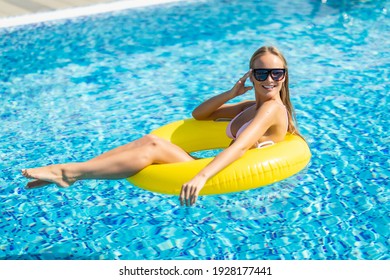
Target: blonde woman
pixel 255 123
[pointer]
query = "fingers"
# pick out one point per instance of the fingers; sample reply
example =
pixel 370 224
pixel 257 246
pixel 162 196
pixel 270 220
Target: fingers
pixel 188 195
pixel 247 74
pixel 182 195
pixel 185 195
pixel 194 196
pixel 245 77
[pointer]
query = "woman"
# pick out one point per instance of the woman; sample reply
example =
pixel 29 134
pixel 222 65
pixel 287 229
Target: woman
pixel 254 124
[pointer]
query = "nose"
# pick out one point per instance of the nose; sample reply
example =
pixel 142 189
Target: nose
pixel 269 78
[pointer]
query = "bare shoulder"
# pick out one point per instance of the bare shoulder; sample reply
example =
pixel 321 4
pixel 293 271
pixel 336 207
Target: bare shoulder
pixel 271 104
pixel 270 107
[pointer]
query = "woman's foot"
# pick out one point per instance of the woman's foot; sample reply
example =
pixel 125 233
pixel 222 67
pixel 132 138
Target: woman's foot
pixel 49 174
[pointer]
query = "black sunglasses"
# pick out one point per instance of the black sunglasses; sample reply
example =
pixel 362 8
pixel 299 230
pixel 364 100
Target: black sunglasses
pixel 262 74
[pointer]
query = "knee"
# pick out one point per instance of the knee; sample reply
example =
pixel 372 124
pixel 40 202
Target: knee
pixel 151 147
pixel 152 140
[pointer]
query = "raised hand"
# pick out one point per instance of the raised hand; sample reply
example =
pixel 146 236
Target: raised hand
pixel 240 88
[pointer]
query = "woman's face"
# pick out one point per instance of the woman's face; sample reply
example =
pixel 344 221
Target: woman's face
pixel 273 82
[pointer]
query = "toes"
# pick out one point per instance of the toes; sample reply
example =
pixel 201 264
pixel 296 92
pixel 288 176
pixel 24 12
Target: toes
pixel 26 174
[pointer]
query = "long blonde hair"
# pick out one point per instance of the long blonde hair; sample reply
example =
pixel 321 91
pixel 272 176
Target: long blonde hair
pixel 284 92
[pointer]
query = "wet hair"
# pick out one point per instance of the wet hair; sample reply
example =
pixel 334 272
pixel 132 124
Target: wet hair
pixel 284 92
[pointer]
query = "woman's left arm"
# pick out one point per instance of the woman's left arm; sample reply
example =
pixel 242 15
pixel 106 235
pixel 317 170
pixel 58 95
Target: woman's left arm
pixel 264 119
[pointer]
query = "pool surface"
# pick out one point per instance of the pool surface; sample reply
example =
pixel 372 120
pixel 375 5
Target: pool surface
pixel 72 89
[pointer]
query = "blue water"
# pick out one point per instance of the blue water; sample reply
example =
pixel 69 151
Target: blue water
pixel 73 89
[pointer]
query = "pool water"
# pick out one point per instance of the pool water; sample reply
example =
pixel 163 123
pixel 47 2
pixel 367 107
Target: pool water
pixel 73 89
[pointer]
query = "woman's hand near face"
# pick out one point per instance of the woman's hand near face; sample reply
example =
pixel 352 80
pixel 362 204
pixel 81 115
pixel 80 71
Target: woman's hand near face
pixel 240 88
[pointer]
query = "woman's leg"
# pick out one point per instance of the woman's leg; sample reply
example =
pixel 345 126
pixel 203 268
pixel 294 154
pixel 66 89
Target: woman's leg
pixel 119 163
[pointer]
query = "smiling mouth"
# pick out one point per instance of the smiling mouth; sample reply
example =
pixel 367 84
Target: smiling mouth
pixel 268 87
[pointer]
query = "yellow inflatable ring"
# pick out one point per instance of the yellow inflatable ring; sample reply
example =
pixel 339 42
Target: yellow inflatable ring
pixel 258 167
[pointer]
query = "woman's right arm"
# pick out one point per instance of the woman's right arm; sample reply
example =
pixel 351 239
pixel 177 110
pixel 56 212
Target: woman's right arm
pixel 215 107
